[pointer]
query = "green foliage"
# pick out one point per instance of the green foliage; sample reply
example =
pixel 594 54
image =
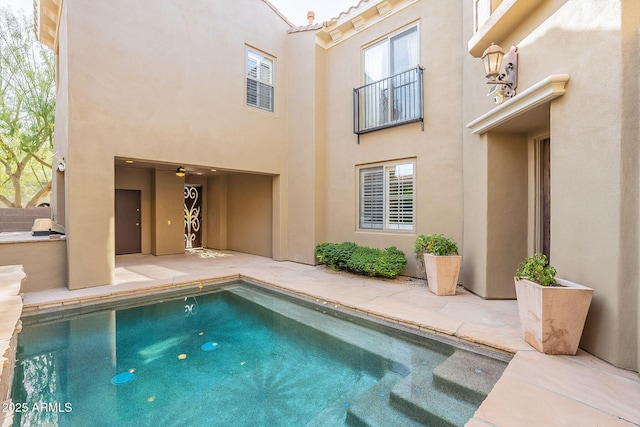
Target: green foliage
pixel 391 262
pixel 536 268
pixel 435 244
pixel 27 109
pixel 364 260
pixel 335 255
pixel 361 259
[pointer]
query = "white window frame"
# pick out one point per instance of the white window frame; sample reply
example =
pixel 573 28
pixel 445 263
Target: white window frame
pixel 381 99
pixel 387 39
pixel 481 12
pixel 262 83
pixel 396 209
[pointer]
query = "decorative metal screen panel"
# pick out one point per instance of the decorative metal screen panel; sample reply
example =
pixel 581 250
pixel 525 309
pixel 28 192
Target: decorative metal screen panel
pixel 192 215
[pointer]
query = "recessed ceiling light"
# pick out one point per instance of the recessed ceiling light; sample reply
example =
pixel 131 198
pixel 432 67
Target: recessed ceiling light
pixel 198 173
pixel 213 170
pixel 128 161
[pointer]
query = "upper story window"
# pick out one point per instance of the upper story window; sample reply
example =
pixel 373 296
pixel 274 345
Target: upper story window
pixel 391 55
pixel 259 80
pixel 481 12
pixel 392 91
pixel 387 197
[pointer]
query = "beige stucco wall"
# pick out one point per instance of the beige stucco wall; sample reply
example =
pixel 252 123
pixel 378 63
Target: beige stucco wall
pixel 44 262
pixel 249 214
pixel 594 204
pixel 216 216
pixel 61 130
pixel 437 150
pixel 306 148
pixel 164 85
pixel 167 204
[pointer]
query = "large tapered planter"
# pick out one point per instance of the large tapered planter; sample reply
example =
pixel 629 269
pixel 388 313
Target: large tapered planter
pixel 553 317
pixel 442 273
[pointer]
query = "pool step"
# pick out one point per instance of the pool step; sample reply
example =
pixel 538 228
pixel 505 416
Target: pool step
pixel 334 414
pixel 469 376
pixel 418 398
pixel 373 409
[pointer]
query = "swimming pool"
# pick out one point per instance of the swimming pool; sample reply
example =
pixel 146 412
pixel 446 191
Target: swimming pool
pixel 241 356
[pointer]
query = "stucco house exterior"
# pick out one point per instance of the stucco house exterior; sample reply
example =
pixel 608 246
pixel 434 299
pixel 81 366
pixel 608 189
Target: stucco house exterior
pixel 290 136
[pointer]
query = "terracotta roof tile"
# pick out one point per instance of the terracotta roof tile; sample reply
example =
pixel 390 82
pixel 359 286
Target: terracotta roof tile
pixel 347 12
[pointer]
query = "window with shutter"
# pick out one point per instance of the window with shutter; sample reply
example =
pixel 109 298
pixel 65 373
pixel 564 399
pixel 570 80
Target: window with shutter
pixel 386 197
pixel 259 80
pixel 371 198
pixel 399 179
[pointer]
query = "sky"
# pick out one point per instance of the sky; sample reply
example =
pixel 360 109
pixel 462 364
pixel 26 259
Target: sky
pixel 294 10
pixel 22 4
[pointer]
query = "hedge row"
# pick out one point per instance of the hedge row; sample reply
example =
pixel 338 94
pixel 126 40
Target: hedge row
pixel 362 259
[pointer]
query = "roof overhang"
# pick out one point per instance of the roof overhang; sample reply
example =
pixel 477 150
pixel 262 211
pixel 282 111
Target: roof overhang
pixel 538 95
pixel 365 14
pixel 48 21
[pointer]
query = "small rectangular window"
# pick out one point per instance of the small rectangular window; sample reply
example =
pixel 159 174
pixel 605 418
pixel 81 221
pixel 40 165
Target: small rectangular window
pixel 386 197
pixel 259 80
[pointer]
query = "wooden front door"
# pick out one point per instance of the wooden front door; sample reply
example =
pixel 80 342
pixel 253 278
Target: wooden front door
pixel 545 196
pixel 127 213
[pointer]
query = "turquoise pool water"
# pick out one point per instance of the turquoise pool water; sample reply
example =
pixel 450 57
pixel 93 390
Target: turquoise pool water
pixel 237 357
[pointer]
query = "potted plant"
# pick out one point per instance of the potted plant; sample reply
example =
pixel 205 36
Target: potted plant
pixel 441 262
pixel 552 311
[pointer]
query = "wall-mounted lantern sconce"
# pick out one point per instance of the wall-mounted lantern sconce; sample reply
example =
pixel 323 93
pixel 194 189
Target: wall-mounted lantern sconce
pixel 180 171
pixel 62 164
pixel 504 80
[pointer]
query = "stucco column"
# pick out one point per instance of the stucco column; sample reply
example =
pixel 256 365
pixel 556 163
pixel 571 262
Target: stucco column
pixel 495 214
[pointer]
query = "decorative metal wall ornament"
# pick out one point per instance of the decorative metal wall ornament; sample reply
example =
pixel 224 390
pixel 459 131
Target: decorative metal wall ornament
pixel 191 215
pixel 504 81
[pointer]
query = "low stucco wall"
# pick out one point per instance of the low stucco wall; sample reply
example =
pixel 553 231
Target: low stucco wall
pixel 11 279
pixel 44 260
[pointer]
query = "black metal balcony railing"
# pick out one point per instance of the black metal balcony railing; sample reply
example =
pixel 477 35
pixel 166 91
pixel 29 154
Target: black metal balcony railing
pixel 394 101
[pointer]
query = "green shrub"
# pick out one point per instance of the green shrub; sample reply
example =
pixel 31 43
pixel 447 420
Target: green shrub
pixel 323 252
pixel 536 268
pixel 335 255
pixel 364 260
pixel 361 259
pixel 391 262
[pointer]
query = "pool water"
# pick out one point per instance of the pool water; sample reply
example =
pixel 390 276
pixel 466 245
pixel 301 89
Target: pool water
pixel 237 357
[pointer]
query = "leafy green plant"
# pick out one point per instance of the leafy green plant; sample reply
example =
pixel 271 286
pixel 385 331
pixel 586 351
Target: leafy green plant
pixel 335 255
pixel 391 262
pixel 362 259
pixel 435 244
pixel 536 268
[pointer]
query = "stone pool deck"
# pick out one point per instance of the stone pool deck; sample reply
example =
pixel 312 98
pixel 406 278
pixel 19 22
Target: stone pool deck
pixel 535 390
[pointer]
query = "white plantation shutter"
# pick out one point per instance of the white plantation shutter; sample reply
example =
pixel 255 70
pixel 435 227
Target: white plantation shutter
pixel 259 81
pixel 371 198
pixel 387 197
pixel 399 197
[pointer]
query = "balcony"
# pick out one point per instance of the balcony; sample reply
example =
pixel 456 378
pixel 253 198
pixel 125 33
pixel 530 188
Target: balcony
pixel 393 101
